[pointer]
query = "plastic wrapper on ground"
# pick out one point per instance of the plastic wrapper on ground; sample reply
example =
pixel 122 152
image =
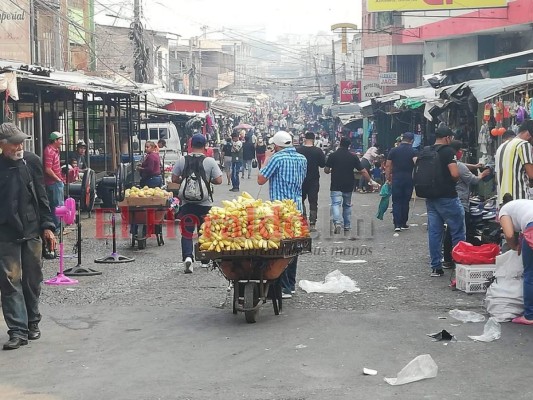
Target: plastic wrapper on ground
pixel 422 367
pixel 335 282
pixel 492 331
pixel 466 316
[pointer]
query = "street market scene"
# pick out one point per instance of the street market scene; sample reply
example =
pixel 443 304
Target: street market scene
pixel 286 201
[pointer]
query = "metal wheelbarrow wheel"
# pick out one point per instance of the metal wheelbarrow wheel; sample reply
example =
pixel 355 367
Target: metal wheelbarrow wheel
pixel 251 300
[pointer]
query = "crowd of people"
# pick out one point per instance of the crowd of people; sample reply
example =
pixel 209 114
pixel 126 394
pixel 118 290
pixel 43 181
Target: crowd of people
pixel 289 162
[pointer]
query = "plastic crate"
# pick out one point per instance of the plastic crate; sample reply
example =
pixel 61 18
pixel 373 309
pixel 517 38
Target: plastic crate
pixel 475 273
pixel 471 286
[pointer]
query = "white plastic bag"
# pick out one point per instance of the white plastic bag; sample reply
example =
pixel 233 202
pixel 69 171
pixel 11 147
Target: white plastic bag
pixel 466 316
pixel 505 296
pixel 335 282
pixel 491 331
pixel 422 367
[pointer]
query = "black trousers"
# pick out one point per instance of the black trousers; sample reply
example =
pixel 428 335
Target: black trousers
pixel 470 236
pixel 310 189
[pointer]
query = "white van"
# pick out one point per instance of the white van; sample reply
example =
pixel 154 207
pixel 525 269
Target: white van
pixel 167 131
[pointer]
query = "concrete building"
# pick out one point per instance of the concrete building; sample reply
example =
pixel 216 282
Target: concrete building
pixel 416 43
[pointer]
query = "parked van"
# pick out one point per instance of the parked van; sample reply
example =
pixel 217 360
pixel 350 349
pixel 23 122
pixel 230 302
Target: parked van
pixel 155 131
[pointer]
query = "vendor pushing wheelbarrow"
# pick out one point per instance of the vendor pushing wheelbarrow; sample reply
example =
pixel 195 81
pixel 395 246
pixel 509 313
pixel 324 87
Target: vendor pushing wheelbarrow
pixel 285 169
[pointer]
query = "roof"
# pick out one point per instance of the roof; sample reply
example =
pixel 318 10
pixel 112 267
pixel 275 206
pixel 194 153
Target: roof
pixel 488 61
pixel 179 96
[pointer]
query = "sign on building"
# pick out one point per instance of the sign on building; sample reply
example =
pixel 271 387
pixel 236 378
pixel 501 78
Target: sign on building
pixel 350 91
pixel 15 30
pixel 388 79
pixel 424 5
pixel 370 89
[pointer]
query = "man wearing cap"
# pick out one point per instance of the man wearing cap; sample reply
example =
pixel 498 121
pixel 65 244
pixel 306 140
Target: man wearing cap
pixel 285 171
pixel 447 208
pixel 81 150
pixel 192 214
pixel 52 174
pixel 25 217
pixel 399 174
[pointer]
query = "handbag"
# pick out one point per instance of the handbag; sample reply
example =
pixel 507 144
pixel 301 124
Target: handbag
pixel 254 163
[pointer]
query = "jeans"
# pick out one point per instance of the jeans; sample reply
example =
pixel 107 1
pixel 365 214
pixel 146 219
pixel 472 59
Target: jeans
pixel 56 197
pixel 344 199
pixel 20 284
pixel 191 218
pixel 152 182
pixel 235 168
pixel 247 167
pixel 440 211
pixel 402 190
pixel 310 189
pixel 527 260
pixel 287 279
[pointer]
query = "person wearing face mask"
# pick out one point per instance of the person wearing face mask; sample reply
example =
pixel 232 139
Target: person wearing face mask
pixel 25 218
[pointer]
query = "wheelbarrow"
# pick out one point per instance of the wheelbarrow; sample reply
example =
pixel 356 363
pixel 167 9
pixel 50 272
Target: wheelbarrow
pixel 145 221
pixel 255 274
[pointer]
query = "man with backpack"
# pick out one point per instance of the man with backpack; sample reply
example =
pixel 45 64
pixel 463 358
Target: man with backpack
pixel 195 173
pixel 435 177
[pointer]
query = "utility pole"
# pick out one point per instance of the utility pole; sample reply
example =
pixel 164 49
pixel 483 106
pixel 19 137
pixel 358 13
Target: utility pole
pixel 333 71
pixel 140 52
pixel 191 69
pixel 316 76
pixel 235 64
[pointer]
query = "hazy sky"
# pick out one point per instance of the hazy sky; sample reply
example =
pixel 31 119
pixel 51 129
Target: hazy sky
pixel 186 17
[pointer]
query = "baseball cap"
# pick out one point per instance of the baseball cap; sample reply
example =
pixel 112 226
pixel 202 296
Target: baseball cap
pixel 281 139
pixel 198 140
pixel 55 135
pixel 81 143
pixel 309 135
pixel 12 133
pixel 443 131
pixel 408 136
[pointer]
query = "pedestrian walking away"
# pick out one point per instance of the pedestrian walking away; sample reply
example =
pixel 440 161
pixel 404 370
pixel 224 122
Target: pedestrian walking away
pixel 285 171
pixel 316 159
pixel 25 221
pixel 236 161
pixel 399 174
pixel 195 173
pixel 342 165
pixel 248 154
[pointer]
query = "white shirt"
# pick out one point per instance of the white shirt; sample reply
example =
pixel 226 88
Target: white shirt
pixel 521 213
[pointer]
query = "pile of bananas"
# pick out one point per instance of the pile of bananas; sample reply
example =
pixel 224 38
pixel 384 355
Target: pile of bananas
pixel 246 223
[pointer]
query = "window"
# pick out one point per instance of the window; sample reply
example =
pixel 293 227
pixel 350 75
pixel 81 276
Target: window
pixel 408 68
pixel 163 133
pixel 371 60
pixel 154 135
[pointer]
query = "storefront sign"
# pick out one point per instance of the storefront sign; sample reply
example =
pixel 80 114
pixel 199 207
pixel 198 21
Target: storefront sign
pixel 15 30
pixel 388 79
pixel 370 89
pixel 350 91
pixel 417 5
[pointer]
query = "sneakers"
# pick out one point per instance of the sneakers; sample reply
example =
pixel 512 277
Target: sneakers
pixel 437 272
pixel 397 229
pixel 404 227
pixel 448 265
pixel 286 295
pixel 188 265
pixel 14 343
pixel 337 229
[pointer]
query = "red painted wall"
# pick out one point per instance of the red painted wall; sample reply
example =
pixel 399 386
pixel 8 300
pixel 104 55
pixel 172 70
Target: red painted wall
pixel 188 106
pixel 518 12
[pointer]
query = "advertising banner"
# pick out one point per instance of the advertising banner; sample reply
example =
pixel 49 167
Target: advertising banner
pixel 425 5
pixel 370 89
pixel 350 91
pixel 15 30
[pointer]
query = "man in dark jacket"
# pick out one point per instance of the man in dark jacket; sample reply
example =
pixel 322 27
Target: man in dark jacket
pixel 25 217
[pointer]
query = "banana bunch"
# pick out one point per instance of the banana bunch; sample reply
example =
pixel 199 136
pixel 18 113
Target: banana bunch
pixel 246 223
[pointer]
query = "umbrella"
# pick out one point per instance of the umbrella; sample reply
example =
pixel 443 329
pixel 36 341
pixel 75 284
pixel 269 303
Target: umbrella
pixel 385 194
pixel 243 126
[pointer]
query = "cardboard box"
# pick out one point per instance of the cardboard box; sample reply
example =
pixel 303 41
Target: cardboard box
pixel 173 186
pixel 143 202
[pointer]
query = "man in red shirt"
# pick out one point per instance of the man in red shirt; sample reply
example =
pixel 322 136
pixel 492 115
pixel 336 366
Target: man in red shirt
pixel 52 174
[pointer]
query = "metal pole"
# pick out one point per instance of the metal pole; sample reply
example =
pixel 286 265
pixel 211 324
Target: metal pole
pixel 333 71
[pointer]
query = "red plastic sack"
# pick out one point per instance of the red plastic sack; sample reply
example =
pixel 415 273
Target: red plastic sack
pixel 466 253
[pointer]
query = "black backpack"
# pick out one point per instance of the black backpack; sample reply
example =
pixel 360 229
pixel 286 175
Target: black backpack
pixel 195 187
pixel 428 176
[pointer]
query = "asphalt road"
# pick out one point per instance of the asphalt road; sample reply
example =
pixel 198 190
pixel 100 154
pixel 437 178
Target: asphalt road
pixel 145 330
